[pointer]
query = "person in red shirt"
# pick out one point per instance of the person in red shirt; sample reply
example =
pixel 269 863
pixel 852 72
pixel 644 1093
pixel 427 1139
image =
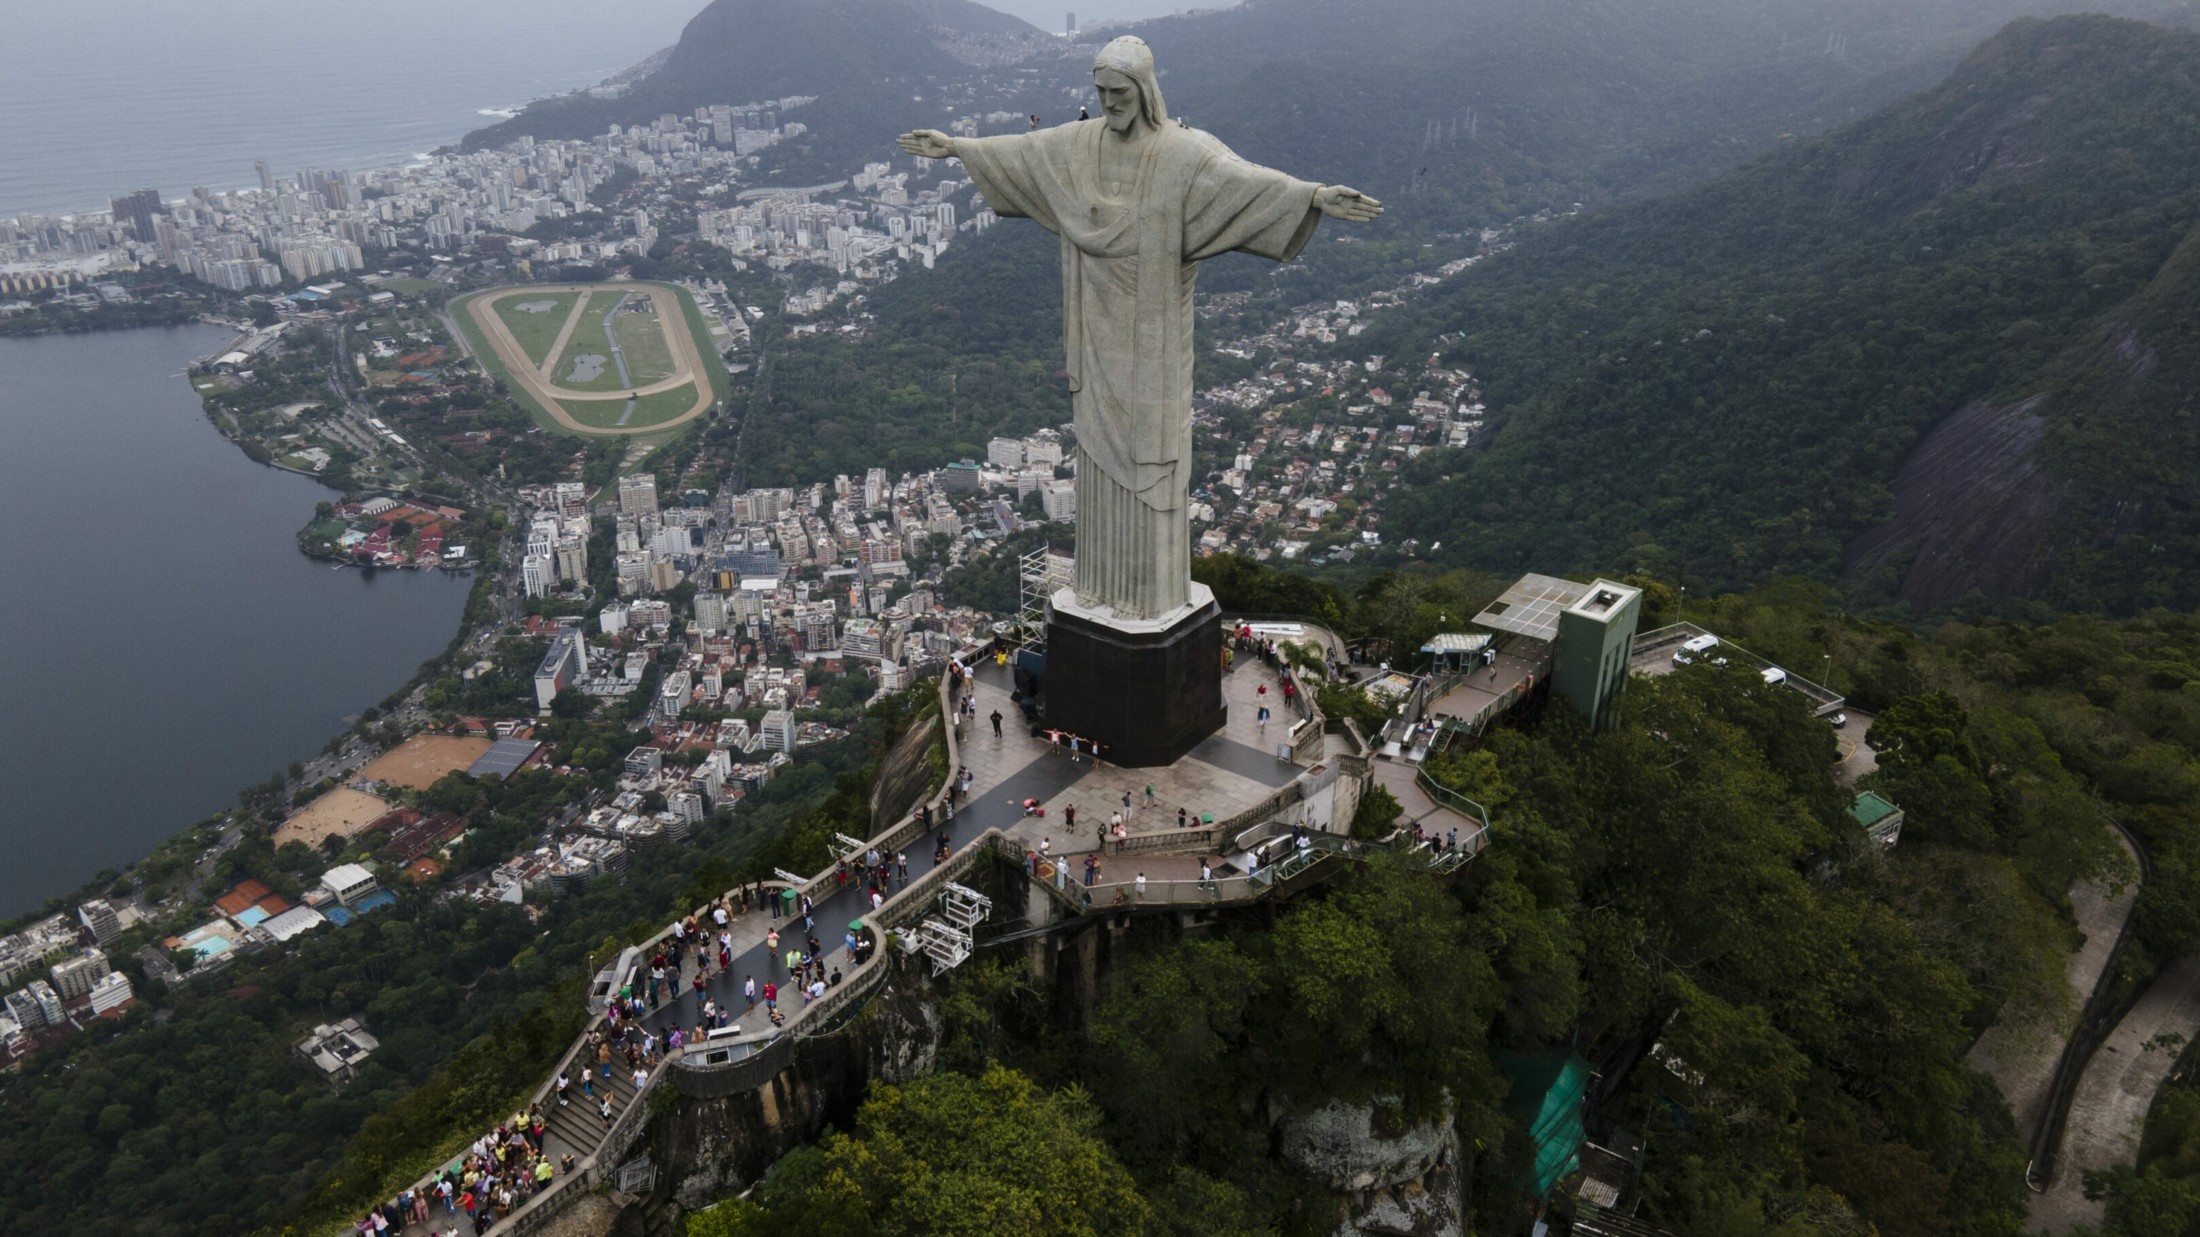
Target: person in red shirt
pixel 771 995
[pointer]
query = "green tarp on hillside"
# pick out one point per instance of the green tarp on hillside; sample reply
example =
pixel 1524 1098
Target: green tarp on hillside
pixel 1546 1098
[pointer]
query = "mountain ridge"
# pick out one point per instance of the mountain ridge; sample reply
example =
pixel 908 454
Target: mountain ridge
pixel 1724 384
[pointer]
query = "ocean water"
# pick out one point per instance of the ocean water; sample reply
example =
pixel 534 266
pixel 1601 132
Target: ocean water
pixel 101 97
pixel 163 642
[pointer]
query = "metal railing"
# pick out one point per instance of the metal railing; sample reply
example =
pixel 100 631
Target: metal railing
pixel 1446 797
pixel 1823 699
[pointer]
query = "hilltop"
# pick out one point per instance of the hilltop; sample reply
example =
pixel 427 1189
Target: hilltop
pixel 865 59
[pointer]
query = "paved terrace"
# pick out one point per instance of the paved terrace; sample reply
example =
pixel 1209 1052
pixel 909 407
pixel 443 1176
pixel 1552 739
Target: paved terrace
pixel 1234 777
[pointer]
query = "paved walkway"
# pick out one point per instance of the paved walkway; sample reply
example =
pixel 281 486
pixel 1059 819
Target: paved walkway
pixel 2112 1098
pixel 2020 1056
pixel 1223 775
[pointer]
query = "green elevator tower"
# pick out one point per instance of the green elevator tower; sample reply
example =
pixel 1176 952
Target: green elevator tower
pixel 1596 636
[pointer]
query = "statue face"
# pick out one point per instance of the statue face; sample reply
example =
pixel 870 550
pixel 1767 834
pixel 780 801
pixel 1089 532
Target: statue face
pixel 1119 99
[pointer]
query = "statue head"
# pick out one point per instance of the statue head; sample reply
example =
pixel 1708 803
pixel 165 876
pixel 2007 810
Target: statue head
pixel 1130 90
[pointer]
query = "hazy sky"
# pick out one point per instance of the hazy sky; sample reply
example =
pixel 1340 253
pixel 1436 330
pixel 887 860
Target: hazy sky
pixel 1047 14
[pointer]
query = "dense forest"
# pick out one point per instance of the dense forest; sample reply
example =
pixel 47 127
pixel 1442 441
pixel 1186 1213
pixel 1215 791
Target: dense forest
pixel 1722 384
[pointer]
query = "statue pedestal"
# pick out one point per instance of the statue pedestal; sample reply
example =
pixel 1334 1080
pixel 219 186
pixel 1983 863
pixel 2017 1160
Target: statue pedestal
pixel 1148 690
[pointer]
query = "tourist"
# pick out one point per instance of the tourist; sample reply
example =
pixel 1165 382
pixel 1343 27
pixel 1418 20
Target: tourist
pixel 1139 885
pixel 1069 817
pixel 1183 819
pixel 1092 869
pixel 748 992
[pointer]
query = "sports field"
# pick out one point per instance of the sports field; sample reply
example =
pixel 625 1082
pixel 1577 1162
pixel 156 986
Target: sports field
pixel 578 354
pixel 341 812
pixel 417 762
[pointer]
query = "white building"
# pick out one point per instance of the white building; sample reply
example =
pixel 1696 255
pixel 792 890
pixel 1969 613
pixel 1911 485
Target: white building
pixel 1005 452
pixel 536 574
pixel 638 493
pixel 711 611
pixel 779 731
pixel 112 992
pixel 1059 500
pixel 338 1049
pixel 99 919
pixel 348 883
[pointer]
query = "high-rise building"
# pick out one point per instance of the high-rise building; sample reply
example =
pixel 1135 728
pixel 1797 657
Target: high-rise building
pixel 1059 500
pixel 638 494
pixel 1005 452
pixel 536 574
pixel 1069 23
pixel 564 665
pixel 112 992
pixel 711 611
pixel 267 178
pixel 99 919
pixel 75 977
pixel 137 210
pixel 778 731
pixel 23 1007
pixel 49 1001
pixel 572 557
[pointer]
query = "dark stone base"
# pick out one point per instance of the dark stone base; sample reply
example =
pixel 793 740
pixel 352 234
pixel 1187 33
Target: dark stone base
pixel 1146 697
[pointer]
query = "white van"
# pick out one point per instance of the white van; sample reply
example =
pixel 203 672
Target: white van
pixel 1775 675
pixel 1696 647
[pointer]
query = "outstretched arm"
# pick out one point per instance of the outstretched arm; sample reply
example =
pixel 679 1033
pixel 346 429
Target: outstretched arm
pixel 928 143
pixel 1337 202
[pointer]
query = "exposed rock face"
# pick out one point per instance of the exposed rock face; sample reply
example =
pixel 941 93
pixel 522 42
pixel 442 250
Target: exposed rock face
pixel 706 1149
pixel 1972 507
pixel 1395 1177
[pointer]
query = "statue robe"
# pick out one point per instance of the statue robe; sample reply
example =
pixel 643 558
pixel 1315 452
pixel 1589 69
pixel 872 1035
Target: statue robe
pixel 1128 264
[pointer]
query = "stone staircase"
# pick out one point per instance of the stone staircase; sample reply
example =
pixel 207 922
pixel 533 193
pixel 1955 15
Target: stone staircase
pixel 577 1128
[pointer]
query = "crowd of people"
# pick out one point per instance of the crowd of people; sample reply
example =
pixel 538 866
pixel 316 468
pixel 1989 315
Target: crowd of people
pixel 497 1175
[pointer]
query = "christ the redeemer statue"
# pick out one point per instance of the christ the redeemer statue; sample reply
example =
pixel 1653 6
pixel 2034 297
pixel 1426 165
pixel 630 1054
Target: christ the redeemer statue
pixel 1138 202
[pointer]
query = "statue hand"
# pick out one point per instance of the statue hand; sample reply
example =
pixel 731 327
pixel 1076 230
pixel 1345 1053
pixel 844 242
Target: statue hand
pixel 1351 205
pixel 928 143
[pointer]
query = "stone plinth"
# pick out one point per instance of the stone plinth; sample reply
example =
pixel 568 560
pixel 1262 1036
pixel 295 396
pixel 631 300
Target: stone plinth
pixel 1148 690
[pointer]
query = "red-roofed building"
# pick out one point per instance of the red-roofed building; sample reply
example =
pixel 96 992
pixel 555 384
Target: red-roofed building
pixel 425 835
pixel 241 897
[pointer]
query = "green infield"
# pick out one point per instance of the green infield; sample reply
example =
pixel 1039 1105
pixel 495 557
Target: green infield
pixel 642 341
pixel 535 319
pixel 665 343
pixel 606 414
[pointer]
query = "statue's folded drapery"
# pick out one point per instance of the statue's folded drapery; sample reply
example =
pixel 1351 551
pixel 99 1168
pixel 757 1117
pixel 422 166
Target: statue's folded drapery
pixel 1128 263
